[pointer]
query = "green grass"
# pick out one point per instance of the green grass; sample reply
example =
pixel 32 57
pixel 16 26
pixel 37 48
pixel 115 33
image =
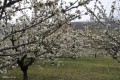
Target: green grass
pixel 78 69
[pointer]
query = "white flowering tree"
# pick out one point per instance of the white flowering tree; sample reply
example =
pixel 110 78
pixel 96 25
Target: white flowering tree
pixel 24 25
pixel 106 35
pixel 67 42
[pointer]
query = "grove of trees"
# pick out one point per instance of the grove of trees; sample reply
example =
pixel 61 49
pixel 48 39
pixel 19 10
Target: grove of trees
pixel 34 29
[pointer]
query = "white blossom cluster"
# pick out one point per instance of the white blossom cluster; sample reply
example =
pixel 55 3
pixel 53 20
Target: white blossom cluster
pixel 25 26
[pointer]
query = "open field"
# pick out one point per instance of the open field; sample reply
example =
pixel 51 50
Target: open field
pixel 78 69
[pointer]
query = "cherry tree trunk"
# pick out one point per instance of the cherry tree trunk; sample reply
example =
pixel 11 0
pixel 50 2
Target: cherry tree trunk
pixel 25 76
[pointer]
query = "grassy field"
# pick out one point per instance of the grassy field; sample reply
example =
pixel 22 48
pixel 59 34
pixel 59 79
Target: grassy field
pixel 78 69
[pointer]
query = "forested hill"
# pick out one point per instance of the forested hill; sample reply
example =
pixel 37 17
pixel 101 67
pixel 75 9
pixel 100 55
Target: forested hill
pixel 82 25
